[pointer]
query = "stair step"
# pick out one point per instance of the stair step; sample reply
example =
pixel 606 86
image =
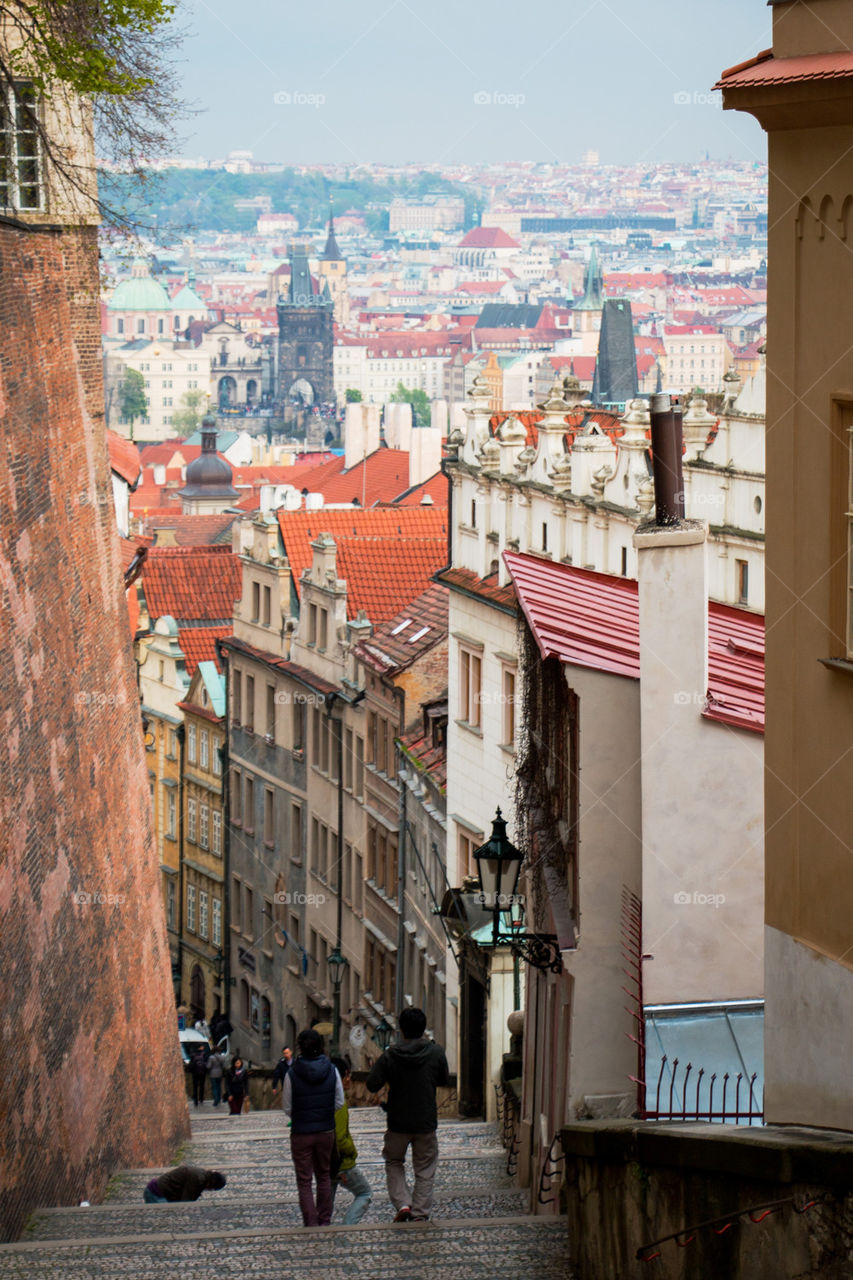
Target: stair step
pixel 514 1248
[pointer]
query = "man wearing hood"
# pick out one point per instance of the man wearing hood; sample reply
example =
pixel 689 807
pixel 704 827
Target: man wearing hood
pixel 412 1069
pixel 311 1094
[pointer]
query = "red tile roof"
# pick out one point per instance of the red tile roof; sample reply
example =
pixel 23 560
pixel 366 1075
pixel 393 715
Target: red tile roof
pixel 427 757
pixel 764 69
pixel 468 583
pixel 124 457
pixel 488 238
pixel 589 619
pixel 379 478
pixel 397 643
pixel 198 644
pixel 437 488
pixel 198 584
pixel 380 573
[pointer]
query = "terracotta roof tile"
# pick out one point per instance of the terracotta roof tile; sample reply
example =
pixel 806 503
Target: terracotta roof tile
pixel 300 528
pixel 469 583
pixel 198 644
pixel 191 531
pixel 124 457
pixel 381 573
pixel 416 628
pixel 426 756
pixel 198 584
pixel 764 69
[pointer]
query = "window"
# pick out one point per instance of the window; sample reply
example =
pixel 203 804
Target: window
pixel 372 723
pixel 544 535
pixel 470 692
pixel 358 882
pixel 120 325
pixel 203 825
pixel 268 816
pixel 204 749
pixel 172 748
pixel 160 326
pixel 347 872
pixel 298 725
pixel 237 701
pixel 249 805
pixel 271 711
pixel 742 570
pixel 508 707
pixel 624 562
pixel 348 760
pixel 312 624
pixel 140 328
pixel 216 845
pixel 296 833
pixel 473 513
pixel 325 729
pixel 466 843
pixel 216 927
pixel 256 601
pixel 250 704
pixel 170 904
pixel 256 1011
pixel 248 912
pixel 20 153
pixel 192 810
pixel 217 758
pixel 359 768
pixel 171 812
pixel 324 628
pixel 237 903
pixel 202 914
pixel 267 607
pixel 316 727
pixel 191 907
pixel 237 797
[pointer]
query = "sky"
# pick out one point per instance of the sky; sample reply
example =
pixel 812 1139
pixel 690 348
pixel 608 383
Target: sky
pixel 466 81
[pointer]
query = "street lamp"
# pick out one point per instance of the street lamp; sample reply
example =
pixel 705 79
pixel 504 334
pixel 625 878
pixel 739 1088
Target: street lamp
pixel 498 867
pixel 382 1033
pixel 336 965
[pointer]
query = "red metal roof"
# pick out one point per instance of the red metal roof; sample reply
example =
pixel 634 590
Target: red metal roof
pixel 589 619
pixel 764 69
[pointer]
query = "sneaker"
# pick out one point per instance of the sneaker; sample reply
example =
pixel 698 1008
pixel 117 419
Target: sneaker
pixel 419 1217
pixel 404 1214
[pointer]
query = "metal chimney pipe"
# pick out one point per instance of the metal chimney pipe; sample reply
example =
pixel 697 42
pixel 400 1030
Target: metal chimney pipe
pixel 666 460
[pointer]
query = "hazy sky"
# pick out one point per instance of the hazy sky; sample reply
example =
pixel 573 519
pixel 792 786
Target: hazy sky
pixel 466 80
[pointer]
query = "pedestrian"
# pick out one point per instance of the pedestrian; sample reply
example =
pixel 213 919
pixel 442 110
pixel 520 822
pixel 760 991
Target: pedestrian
pixel 216 1069
pixel 311 1094
pixel 281 1069
pixel 185 1182
pixel 413 1069
pixel 238 1086
pixel 345 1172
pixel 198 1071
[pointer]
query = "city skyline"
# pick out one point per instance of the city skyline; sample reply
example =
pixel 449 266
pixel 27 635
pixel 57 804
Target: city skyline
pixel 548 90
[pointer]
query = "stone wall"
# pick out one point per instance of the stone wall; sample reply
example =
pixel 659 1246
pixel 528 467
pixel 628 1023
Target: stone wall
pixel 91 1077
pixel 628 1185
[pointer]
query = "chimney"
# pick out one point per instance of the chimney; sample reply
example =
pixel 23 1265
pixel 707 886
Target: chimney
pixel 424 454
pixel 666 460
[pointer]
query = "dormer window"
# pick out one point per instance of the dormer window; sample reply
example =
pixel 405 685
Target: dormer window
pixel 21 175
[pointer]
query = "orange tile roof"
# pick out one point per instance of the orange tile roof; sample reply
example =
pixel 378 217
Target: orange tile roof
pixel 300 528
pixel 198 644
pixel 379 478
pixel 437 488
pixel 417 627
pixel 124 457
pixel 383 573
pixel 764 69
pixel 198 584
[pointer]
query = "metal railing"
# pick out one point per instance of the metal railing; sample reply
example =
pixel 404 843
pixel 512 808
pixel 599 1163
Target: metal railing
pixel 707 1098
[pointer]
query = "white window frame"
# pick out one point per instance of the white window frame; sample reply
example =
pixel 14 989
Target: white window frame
pixel 202 914
pixel 191 744
pixel 191 908
pixel 10 177
pixel 192 811
pixel 204 825
pixel 216 836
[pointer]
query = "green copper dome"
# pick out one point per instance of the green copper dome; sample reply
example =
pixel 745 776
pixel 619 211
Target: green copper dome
pixel 140 292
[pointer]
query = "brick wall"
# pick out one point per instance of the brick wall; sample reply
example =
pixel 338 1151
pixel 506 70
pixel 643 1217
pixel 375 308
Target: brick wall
pixel 91 1077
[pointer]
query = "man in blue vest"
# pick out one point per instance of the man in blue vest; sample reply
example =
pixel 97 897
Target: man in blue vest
pixel 311 1094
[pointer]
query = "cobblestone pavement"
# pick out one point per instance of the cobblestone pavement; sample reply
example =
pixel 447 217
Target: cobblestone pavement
pixel 480 1229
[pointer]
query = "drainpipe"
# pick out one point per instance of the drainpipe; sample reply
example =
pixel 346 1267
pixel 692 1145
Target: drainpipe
pixel 180 734
pixel 225 944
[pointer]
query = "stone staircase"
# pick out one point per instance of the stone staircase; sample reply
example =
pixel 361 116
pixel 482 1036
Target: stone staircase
pixel 480 1230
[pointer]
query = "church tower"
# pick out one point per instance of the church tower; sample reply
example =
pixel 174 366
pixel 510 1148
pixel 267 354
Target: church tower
pixel 305 340
pixel 333 270
pixel 586 314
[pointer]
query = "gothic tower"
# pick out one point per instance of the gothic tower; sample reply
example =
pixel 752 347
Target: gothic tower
pixel 305 340
pixel 333 270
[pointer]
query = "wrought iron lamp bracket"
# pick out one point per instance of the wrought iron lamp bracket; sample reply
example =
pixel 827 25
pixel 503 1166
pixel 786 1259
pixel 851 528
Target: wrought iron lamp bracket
pixel 540 950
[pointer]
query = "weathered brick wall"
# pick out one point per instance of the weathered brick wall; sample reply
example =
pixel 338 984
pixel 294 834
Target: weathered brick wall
pixel 91 1078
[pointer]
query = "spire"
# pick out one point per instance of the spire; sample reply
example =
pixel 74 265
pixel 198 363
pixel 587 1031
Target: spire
pixel 593 297
pixel 301 292
pixel 332 253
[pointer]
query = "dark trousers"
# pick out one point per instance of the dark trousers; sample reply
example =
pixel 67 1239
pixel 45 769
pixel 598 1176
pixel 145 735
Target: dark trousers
pixel 198 1088
pixel 216 1088
pixel 312 1155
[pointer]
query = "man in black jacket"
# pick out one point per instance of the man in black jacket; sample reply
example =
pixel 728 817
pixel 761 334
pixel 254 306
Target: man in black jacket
pixel 412 1069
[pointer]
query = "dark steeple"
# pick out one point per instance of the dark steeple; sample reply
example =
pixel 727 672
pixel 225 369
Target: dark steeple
pixel 332 253
pixel 615 380
pixel 301 292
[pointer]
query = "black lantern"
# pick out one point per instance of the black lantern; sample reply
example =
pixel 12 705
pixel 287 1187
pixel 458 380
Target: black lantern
pixel 336 964
pixel 382 1033
pixel 498 867
pixel 219 966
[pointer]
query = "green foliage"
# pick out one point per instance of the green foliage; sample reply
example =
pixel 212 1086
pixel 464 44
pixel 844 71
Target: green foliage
pixel 353 395
pixel 419 400
pixel 187 417
pixel 132 400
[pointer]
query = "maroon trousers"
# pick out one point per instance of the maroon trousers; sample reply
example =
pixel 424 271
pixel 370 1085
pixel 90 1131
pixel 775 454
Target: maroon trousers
pixel 312 1155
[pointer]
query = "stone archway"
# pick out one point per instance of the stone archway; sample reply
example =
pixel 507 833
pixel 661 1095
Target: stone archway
pixel 301 394
pixel 227 392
